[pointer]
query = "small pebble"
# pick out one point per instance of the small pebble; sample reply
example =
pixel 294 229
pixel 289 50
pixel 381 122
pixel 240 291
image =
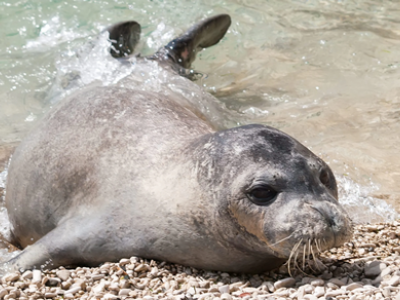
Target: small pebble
pixel 334 293
pixel 336 281
pixel 50 295
pixel 374 268
pixel 319 291
pixel 287 282
pixel 224 289
pixel 36 276
pixel 63 274
pixel 317 282
pixel 352 286
pixel 27 275
pixel 226 296
pixel 394 281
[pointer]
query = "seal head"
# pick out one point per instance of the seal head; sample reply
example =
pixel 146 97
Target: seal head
pixel 272 190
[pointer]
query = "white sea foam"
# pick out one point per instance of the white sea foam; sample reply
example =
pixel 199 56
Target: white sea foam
pixel 361 206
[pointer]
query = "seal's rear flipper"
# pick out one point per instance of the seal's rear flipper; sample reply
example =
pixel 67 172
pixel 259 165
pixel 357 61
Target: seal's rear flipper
pixel 75 242
pixel 124 37
pixel 183 49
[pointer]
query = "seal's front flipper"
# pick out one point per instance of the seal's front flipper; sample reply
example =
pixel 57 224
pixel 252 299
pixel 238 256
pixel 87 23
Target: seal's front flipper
pixel 183 49
pixel 124 37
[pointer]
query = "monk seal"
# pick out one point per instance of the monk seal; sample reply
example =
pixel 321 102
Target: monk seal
pixel 138 168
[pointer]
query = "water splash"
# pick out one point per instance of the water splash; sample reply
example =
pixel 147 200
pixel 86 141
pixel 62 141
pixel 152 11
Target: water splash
pixel 361 206
pixel 52 33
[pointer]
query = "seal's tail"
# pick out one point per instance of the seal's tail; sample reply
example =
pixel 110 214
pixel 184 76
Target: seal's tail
pixel 124 37
pixel 206 33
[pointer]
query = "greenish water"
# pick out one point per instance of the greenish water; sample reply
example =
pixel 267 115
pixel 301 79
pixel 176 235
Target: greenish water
pixel 326 72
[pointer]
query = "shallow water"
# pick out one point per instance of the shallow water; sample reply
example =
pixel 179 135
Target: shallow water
pixel 326 72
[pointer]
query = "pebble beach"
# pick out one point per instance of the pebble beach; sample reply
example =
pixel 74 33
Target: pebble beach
pixel 368 267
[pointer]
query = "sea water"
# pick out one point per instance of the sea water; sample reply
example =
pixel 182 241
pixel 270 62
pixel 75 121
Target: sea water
pixel 325 72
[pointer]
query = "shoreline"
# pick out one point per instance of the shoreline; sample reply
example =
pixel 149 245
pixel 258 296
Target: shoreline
pixel 368 267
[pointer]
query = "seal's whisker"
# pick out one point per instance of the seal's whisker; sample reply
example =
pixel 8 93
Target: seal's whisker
pixel 290 258
pixel 304 256
pixel 295 260
pixel 317 243
pixel 314 258
pixel 294 250
pixel 284 239
pixel 298 267
pixel 309 250
pixel 317 249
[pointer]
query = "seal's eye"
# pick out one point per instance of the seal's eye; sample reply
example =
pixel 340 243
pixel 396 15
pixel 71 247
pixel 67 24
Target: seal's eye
pixel 324 178
pixel 261 195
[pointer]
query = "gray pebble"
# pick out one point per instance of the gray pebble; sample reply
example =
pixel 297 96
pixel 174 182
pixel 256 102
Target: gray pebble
pixel 286 282
pixel 74 289
pixel 352 286
pixel 224 289
pixel 317 282
pixel 332 286
pixel 336 281
pixel 328 275
pixel 53 281
pixel 269 285
pixel 374 268
pixel 3 292
pixel 377 280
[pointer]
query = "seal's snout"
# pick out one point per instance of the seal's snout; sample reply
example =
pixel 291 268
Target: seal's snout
pixel 327 215
pixel 335 226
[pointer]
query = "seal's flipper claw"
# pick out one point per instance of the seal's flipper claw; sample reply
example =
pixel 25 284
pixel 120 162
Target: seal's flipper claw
pixel 206 33
pixel 124 37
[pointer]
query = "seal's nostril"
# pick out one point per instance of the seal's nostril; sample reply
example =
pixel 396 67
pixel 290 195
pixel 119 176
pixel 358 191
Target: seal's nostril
pixel 331 222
